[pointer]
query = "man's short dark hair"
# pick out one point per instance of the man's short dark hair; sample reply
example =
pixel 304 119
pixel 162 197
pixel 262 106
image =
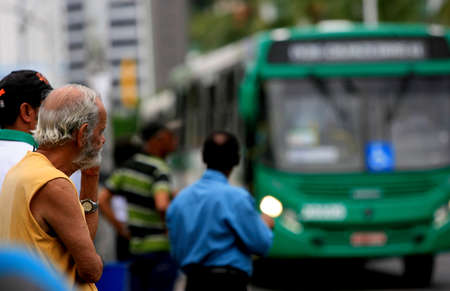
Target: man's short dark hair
pixel 221 151
pixel 151 129
pixel 24 86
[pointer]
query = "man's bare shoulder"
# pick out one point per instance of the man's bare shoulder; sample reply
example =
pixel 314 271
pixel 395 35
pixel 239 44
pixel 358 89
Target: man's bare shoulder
pixel 56 205
pixel 58 187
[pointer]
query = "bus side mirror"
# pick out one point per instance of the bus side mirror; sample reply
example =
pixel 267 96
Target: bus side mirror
pixel 248 100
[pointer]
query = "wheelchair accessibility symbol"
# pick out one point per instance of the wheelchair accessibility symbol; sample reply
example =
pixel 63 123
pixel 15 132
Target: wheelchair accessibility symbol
pixel 379 156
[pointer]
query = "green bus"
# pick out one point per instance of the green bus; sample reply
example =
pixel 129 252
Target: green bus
pixel 347 130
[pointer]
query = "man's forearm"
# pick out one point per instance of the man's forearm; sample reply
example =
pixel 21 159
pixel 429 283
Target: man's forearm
pixel 104 200
pixel 89 190
pixel 107 212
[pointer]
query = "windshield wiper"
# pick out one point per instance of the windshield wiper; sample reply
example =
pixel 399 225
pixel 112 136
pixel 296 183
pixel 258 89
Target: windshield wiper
pixel 398 98
pixel 325 92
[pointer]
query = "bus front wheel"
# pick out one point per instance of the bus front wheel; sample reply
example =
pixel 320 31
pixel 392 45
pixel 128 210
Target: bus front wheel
pixel 418 269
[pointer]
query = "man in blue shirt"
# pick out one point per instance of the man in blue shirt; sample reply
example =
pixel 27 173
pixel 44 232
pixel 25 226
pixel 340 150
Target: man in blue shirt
pixel 214 227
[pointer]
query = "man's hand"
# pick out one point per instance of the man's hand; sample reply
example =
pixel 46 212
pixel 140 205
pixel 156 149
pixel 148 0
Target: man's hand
pixel 268 220
pixel 94 171
pixel 124 231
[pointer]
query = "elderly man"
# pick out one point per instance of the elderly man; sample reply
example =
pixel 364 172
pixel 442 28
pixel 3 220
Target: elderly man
pixel 40 205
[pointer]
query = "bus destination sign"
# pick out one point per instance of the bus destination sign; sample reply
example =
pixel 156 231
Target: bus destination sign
pixel 357 50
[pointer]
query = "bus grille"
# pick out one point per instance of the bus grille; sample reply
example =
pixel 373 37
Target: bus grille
pixel 385 186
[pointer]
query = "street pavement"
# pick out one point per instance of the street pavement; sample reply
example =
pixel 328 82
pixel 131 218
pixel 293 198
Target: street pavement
pixel 376 275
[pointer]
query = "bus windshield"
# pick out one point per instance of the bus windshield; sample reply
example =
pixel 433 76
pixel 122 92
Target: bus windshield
pixel 319 124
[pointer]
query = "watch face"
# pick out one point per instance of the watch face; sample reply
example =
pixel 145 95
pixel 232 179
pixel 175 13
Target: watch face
pixel 87 206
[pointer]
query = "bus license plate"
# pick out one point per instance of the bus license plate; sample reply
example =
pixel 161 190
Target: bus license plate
pixel 363 239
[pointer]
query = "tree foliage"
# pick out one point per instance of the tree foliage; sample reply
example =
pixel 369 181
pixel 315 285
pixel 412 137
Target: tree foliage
pixel 443 16
pixel 216 23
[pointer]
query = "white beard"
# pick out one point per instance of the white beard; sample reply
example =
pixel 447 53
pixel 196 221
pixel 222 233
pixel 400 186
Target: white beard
pixel 89 156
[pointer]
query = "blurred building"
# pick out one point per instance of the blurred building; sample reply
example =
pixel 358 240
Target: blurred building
pixel 76 44
pixel 137 42
pixel 33 37
pixel 147 38
pixel 170 37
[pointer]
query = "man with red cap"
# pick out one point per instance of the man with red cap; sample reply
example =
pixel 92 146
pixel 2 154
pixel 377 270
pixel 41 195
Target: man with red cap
pixel 21 94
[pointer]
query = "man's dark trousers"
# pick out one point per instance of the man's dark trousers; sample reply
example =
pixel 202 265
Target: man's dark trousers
pixel 216 278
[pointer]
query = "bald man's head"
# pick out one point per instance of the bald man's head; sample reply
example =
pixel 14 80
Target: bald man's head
pixel 65 110
pixel 66 95
pixel 221 151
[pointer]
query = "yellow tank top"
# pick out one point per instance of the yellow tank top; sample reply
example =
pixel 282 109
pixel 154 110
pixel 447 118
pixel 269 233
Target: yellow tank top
pixel 17 223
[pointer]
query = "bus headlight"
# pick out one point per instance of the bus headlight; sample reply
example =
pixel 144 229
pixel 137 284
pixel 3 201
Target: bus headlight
pixel 271 206
pixel 441 215
pixel 290 221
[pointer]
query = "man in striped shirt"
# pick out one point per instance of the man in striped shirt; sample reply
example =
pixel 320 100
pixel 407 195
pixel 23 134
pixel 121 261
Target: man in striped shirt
pixel 144 182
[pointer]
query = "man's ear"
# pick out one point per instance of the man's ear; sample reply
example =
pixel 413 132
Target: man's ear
pixel 81 135
pixel 27 113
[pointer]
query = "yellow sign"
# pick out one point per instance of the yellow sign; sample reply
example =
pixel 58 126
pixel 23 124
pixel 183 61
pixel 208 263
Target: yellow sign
pixel 128 83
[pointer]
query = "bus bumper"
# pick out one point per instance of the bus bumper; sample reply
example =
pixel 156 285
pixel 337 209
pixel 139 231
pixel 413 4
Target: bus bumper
pixel 300 241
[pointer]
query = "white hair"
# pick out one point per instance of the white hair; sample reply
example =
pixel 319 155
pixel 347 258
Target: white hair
pixel 65 110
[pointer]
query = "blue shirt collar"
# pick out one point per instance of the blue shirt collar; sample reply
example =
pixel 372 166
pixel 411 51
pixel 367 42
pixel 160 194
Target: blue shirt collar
pixel 215 175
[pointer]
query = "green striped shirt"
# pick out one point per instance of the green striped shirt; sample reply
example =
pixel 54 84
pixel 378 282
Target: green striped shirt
pixel 138 180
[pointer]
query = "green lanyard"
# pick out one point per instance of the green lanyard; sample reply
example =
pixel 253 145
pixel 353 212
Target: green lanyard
pixel 16 135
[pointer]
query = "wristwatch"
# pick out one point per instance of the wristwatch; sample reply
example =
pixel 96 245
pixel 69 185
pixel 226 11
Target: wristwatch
pixel 89 206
